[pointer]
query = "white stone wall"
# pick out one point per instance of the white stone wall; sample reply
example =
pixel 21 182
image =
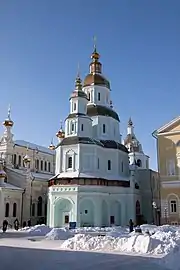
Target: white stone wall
pixel 94 90
pixel 144 159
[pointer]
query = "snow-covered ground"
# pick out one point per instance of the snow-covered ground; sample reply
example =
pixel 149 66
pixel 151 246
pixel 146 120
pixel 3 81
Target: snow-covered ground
pixel 160 245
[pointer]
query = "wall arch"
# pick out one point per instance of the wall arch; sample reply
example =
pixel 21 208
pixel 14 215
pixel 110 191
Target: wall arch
pixel 87 212
pixel 63 211
pixel 115 213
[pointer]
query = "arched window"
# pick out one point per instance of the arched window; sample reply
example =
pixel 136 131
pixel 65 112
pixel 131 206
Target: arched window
pixel 109 165
pixel 89 96
pixel 33 209
pixel 14 209
pixel 49 166
pixel 7 210
pixel 14 159
pixel 173 206
pixel 104 128
pixel 69 162
pixel 39 206
pixel 99 96
pixel 37 164
pixel 45 166
pixel 41 165
pixel 139 163
pixel 19 161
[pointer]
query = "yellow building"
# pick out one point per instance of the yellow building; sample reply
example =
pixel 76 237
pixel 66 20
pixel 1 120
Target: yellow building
pixel 168 155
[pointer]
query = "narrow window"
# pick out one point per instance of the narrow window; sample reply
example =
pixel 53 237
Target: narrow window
pixel 19 161
pixel 45 166
pixel 74 106
pixel 14 159
pixel 37 164
pixel 104 128
pixel 122 166
pixel 72 127
pixel 82 127
pixel 39 207
pixel 14 209
pixel 33 209
pixel 49 167
pixel 89 96
pixel 7 210
pixel 98 163
pixel 99 96
pixel 109 165
pixel 41 165
pixel 69 162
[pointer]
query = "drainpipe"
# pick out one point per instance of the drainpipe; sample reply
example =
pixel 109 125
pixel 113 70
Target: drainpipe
pixel 22 202
pixel 31 197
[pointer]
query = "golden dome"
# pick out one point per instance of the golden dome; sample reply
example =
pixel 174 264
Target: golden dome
pixel 96 79
pixel 60 134
pixel 51 146
pixel 8 122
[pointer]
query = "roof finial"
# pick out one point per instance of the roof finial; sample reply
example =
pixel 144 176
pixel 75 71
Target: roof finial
pixel 78 82
pixel 78 70
pixel 130 123
pixel 94 40
pixel 9 112
pixel 8 122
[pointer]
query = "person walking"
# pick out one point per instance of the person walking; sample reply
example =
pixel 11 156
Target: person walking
pixel 131 225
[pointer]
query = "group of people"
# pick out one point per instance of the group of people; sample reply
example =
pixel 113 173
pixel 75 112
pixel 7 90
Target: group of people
pixel 5 225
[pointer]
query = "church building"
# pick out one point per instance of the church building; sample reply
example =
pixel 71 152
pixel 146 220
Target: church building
pixel 93 184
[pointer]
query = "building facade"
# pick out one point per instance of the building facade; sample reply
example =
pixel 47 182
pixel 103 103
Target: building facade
pixel 25 171
pixel 168 156
pixel 93 185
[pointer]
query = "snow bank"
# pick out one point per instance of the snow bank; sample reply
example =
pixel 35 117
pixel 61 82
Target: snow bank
pixel 59 234
pixel 162 240
pixel 38 230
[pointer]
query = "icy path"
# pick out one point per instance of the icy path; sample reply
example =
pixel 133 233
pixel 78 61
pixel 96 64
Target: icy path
pixel 17 252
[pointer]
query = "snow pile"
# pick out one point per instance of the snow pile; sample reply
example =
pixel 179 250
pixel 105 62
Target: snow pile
pixel 59 234
pixel 38 230
pixel 163 240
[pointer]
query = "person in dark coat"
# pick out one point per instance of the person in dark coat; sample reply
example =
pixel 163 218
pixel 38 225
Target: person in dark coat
pixel 29 223
pixel 5 224
pixel 16 224
pixel 131 225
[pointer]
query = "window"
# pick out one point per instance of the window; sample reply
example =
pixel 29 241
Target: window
pixel 49 167
pixel 173 206
pixel 104 128
pixel 171 167
pixel 33 209
pixel 7 210
pixel 45 166
pixel 74 106
pixel 69 162
pixel 37 164
pixel 99 96
pixel 122 166
pixel 72 127
pixel 139 163
pixel 14 209
pixel 89 96
pixel 41 165
pixel 66 219
pixel 82 127
pixel 86 211
pixel 98 163
pixel 39 206
pixel 19 161
pixel 109 165
pixel 14 159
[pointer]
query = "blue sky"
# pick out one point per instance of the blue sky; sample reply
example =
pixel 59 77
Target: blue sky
pixel 42 42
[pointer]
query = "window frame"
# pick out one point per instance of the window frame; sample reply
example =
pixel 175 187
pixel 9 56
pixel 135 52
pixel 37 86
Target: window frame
pixel 109 165
pixel 173 206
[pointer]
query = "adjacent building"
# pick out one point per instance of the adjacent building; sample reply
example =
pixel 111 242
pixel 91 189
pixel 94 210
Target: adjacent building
pixel 168 156
pixel 25 169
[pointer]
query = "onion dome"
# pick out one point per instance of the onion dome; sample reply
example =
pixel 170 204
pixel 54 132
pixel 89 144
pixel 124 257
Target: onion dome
pixel 60 134
pixel 95 76
pixel 51 146
pixel 8 122
pixel 78 89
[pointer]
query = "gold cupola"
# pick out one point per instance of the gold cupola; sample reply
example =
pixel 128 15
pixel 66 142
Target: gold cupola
pixel 60 134
pixel 51 146
pixel 78 88
pixel 8 122
pixel 95 76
